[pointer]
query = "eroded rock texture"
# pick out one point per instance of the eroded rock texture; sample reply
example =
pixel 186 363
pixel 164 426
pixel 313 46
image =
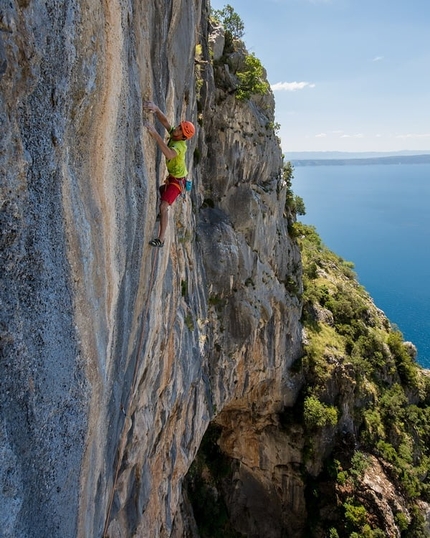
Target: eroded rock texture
pixel 115 356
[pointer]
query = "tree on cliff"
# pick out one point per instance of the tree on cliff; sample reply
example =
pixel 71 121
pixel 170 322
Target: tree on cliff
pixel 251 75
pixel 233 24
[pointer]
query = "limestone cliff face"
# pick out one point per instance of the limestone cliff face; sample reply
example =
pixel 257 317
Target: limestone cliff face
pixel 115 356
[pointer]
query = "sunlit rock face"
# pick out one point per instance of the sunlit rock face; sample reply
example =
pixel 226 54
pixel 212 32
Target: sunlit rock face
pixel 116 356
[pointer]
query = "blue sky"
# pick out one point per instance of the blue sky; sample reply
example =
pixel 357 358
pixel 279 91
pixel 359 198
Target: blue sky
pixel 347 75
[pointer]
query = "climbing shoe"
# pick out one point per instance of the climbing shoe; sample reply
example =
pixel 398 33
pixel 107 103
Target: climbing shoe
pixel 156 243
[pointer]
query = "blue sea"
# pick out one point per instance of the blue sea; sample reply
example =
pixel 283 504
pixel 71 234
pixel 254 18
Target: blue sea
pixel 378 217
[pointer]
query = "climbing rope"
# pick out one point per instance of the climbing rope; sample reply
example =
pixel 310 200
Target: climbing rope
pixel 126 411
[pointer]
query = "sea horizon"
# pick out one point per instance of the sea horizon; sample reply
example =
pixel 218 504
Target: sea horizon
pixel 333 154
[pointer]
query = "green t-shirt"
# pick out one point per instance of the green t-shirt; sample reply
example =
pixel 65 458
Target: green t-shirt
pixel 177 167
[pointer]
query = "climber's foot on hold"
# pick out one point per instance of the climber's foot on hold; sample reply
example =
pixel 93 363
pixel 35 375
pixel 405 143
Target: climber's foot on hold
pixel 156 243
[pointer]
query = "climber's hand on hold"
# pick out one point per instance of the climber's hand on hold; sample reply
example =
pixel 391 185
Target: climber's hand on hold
pixel 150 106
pixel 151 129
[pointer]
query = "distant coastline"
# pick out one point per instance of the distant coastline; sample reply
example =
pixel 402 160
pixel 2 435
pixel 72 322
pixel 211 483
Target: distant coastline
pixel 377 217
pixel 341 159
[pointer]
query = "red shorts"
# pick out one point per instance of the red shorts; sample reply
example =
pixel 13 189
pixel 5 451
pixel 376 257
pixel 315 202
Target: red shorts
pixel 171 189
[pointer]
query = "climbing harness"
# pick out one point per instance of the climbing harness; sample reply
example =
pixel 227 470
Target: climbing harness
pixel 178 182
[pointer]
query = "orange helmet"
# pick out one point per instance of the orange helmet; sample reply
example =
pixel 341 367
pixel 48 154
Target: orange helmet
pixel 188 129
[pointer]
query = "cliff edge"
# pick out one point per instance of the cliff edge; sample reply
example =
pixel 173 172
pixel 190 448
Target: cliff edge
pixel 115 357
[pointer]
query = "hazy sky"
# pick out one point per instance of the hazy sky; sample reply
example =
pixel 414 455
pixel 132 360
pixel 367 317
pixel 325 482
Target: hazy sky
pixel 348 75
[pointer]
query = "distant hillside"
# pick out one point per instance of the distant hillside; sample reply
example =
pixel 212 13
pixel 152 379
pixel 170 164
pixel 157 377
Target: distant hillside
pixel 392 159
pixel 339 155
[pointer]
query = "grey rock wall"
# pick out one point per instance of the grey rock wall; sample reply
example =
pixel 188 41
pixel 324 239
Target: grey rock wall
pixel 44 387
pixel 115 356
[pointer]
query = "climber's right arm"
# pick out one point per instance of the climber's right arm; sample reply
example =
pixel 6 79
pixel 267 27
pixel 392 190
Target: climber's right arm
pixel 149 105
pixel 169 153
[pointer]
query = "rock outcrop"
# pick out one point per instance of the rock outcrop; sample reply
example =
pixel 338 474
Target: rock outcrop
pixel 115 357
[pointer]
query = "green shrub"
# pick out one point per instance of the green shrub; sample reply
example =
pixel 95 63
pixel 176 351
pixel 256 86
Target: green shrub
pixel 189 322
pixel 373 427
pixel 288 176
pixel 367 532
pixel 311 271
pixel 347 269
pixel 310 240
pixel 342 477
pixel 406 367
pixel 392 404
pixel 251 79
pixel 355 514
pixel 387 451
pixel 371 354
pixel 299 205
pixel 317 415
pixel 359 463
pixel 402 521
pixel 417 527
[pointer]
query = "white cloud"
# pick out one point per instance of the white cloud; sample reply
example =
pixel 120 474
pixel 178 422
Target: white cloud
pixel 410 135
pixel 358 135
pixel 291 86
pixel 377 58
pixel 321 135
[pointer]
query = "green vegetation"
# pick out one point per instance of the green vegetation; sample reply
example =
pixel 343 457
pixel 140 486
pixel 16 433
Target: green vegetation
pixel 364 400
pixel 184 288
pixel 355 367
pixel 231 21
pixel 317 415
pixel 251 79
pixel 359 464
pixel 293 203
pixel 391 394
pixel 355 514
pixel 251 75
pixel 189 322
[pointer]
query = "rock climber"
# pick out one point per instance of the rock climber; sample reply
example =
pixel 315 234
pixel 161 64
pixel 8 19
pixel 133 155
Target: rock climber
pixel 174 151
